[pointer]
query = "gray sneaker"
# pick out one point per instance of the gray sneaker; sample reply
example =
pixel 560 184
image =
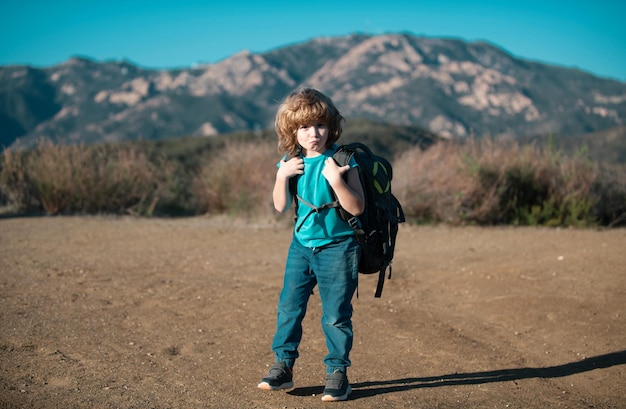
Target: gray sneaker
pixel 337 387
pixel 279 377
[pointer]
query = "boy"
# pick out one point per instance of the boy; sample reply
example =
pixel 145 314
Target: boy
pixel 324 250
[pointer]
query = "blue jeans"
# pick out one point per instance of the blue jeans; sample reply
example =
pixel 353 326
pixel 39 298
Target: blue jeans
pixel 334 268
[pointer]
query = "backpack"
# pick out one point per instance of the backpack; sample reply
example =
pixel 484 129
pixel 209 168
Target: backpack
pixel 377 227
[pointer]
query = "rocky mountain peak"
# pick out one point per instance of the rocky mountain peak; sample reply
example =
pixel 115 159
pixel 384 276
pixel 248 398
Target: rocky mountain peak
pixel 448 86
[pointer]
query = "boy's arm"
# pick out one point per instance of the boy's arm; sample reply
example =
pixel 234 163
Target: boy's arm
pixel 349 190
pixel 281 195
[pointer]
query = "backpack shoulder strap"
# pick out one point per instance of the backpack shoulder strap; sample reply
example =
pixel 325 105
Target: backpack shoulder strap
pixel 357 146
pixel 343 155
pixel 314 209
pixel 293 189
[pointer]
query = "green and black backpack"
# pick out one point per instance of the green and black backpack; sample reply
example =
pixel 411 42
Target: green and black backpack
pixel 377 227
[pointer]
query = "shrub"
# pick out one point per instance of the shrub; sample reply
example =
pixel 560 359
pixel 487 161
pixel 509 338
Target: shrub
pixel 491 182
pixel 16 190
pixel 238 180
pixel 429 184
pixel 610 188
pixel 484 182
pixel 74 178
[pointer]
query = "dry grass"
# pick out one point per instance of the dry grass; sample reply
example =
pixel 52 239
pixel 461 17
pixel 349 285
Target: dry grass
pixel 481 182
pixel 74 178
pixel 238 180
pixel 499 182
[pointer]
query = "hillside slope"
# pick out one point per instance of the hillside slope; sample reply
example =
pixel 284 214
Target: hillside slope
pixel 449 87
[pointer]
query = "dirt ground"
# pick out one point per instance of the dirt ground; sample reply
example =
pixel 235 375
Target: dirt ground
pixel 121 312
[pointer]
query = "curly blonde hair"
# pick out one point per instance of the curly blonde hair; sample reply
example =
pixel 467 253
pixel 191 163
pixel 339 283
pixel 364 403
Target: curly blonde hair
pixel 302 107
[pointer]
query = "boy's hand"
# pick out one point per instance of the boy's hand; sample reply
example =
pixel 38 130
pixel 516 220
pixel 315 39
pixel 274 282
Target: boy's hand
pixel 333 172
pixel 290 168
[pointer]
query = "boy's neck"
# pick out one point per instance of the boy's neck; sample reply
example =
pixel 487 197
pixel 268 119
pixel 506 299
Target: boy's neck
pixel 312 154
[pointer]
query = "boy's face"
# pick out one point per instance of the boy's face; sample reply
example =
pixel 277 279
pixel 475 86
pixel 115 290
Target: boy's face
pixel 312 138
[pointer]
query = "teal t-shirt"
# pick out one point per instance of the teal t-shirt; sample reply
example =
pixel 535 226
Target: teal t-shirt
pixel 318 229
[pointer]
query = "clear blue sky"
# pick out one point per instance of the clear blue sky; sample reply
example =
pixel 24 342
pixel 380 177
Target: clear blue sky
pixel 590 35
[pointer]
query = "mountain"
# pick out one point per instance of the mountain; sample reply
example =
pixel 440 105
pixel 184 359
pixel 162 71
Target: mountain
pixel 449 87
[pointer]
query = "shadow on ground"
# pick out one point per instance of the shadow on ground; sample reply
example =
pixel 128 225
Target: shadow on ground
pixel 373 388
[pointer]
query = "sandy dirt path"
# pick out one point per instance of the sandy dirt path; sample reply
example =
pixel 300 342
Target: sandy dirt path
pixel 121 312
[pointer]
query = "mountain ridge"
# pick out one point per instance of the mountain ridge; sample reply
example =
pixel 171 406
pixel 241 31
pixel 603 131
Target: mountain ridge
pixel 450 87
